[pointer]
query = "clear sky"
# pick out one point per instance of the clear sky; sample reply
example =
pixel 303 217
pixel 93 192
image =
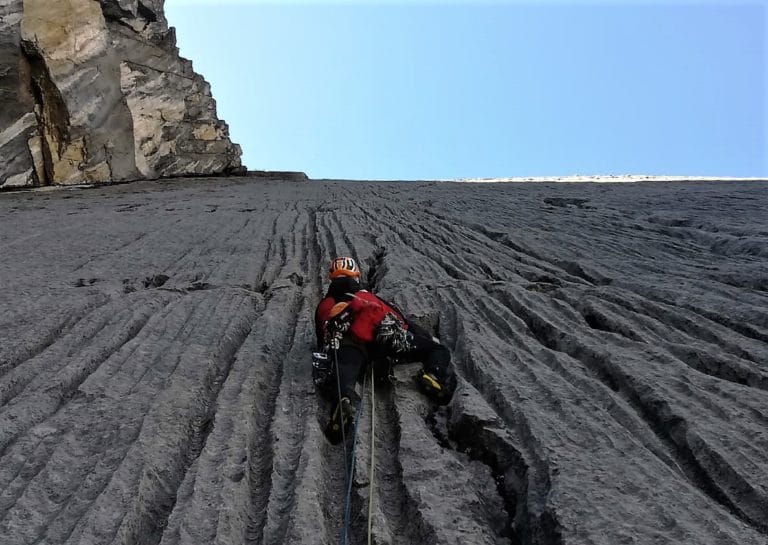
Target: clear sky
pixel 435 90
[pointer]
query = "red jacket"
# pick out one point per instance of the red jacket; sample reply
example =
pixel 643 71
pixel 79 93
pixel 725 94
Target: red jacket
pixel 367 312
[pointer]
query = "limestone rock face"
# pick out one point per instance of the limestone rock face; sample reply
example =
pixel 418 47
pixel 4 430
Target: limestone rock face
pixel 17 122
pixel 95 91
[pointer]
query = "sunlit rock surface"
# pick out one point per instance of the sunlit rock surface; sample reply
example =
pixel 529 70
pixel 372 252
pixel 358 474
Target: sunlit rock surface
pixel 610 341
pixel 96 92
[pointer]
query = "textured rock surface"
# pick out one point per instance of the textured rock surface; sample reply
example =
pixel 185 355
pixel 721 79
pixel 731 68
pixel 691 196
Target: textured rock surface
pixel 17 122
pixel 97 92
pixel 611 342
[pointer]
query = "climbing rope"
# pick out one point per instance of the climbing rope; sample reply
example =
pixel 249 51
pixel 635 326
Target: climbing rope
pixel 338 391
pixel 344 539
pixel 373 458
pixel 349 469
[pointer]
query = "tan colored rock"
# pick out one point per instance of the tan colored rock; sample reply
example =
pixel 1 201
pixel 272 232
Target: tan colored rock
pixel 207 132
pixel 35 145
pixel 96 91
pixel 66 159
pixel 97 173
pixel 65 31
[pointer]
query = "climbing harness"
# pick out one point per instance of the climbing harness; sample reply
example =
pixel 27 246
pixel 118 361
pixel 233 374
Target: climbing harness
pixel 390 332
pixel 321 371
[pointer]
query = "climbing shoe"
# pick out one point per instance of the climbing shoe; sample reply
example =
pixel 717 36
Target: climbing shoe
pixel 441 391
pixel 342 417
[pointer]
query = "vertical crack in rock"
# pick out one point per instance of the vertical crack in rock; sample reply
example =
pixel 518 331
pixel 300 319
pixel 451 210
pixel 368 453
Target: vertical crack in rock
pixel 315 256
pixel 523 483
pixel 456 428
pixel 50 110
pixel 506 465
pixel 376 269
pixel 92 142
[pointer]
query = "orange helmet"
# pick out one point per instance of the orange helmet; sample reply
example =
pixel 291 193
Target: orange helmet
pixel 344 266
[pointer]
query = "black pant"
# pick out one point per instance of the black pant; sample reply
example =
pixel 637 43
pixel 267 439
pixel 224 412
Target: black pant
pixel 353 356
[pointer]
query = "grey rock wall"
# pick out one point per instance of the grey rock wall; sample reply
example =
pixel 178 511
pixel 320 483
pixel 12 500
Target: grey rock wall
pixel 610 340
pixel 95 91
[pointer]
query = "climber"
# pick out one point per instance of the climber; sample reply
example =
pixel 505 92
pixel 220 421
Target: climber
pixel 355 328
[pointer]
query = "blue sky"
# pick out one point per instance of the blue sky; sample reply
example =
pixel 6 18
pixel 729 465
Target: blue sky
pixel 435 90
